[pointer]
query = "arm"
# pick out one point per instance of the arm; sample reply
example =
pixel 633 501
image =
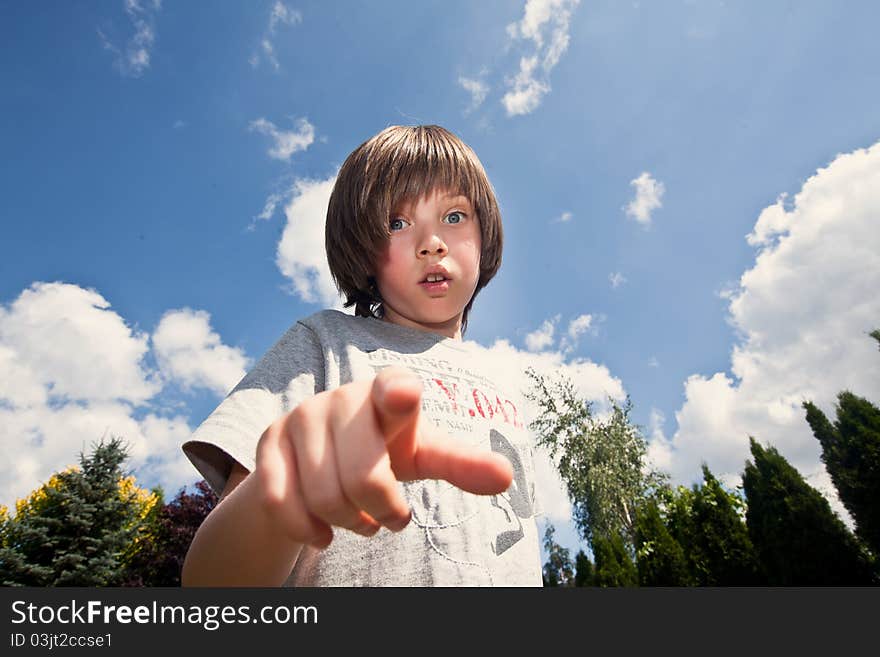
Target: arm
pixel 238 544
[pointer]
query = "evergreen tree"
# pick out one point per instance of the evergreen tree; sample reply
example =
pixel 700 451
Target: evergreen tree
pixel 583 570
pixel 558 570
pixel 851 454
pixel 660 559
pixel 798 539
pixel 614 566
pixel 77 529
pixel 707 520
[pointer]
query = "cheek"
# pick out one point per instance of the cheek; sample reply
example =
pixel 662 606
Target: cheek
pixel 387 262
pixel 471 249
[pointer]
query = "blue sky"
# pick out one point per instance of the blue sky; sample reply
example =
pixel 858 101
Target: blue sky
pixel 690 193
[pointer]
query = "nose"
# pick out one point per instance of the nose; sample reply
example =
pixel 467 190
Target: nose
pixel 431 245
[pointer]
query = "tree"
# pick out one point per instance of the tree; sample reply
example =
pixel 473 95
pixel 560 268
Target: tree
pixel 558 570
pixel 851 454
pixel 159 561
pixel 614 566
pixel 660 559
pixel 798 538
pixel 708 521
pixel 600 461
pixel 583 570
pixel 78 528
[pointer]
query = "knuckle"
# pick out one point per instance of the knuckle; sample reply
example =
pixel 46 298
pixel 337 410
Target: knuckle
pixel 325 504
pixel 302 423
pixel 344 396
pixel 298 418
pixel 371 485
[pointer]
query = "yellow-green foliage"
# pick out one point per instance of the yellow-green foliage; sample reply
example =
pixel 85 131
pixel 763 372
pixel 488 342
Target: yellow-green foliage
pixel 144 501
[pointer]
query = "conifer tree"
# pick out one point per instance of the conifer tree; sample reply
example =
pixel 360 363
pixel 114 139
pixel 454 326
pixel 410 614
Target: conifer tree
pixel 798 538
pixel 851 454
pixel 614 566
pixel 583 570
pixel 660 559
pixel 76 529
pixel 708 520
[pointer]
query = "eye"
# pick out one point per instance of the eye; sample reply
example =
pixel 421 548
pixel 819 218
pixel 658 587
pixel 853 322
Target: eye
pixel 456 217
pixel 396 224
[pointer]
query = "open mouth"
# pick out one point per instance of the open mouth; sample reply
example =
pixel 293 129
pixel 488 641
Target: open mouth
pixel 434 278
pixel 435 283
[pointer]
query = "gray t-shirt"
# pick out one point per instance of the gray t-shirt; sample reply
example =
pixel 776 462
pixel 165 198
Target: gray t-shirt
pixel 455 538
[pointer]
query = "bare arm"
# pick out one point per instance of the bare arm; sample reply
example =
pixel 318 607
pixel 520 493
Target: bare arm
pixel 239 544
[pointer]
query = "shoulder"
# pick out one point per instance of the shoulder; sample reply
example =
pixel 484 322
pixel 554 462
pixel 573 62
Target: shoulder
pixel 330 321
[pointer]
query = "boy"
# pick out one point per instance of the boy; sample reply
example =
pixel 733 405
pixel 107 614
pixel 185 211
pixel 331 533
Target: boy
pixel 385 424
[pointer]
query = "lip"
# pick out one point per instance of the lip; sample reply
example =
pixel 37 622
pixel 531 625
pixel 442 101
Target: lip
pixel 437 288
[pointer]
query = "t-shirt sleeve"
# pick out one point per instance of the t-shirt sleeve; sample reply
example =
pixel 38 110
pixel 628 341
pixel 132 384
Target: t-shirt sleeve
pixel 290 372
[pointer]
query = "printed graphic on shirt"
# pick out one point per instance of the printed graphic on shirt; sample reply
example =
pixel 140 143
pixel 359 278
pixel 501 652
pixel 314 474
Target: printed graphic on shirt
pixel 469 406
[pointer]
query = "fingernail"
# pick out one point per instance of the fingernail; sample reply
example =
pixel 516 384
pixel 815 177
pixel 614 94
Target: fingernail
pixel 367 529
pixel 403 381
pixel 398 525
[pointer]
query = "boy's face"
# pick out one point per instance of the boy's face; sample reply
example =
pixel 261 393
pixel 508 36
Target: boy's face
pixel 438 234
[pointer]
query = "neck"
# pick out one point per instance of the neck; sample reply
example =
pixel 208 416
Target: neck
pixel 449 329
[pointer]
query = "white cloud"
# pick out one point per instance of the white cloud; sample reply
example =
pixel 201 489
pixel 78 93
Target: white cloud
pixel 478 89
pixel 543 337
pixel 188 351
pixel 649 195
pixel 576 328
pixel 527 90
pixel 579 325
pixel 74 372
pixel 268 210
pixel 301 255
pixel 281 15
pixel 134 59
pixel 545 24
pixel 62 334
pixel 285 143
pixel 660 453
pixel 802 312
pixel 564 218
pixel 616 279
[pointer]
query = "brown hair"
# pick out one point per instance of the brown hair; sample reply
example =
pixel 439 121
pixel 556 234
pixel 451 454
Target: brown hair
pixel 401 164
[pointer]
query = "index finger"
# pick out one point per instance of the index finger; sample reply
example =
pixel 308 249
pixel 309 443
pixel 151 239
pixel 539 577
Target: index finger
pixel 475 470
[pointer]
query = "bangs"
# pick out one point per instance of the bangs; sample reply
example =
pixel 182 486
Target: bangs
pixel 411 165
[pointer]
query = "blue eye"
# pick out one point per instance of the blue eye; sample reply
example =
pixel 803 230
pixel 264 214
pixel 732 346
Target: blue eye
pixel 396 224
pixel 459 215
